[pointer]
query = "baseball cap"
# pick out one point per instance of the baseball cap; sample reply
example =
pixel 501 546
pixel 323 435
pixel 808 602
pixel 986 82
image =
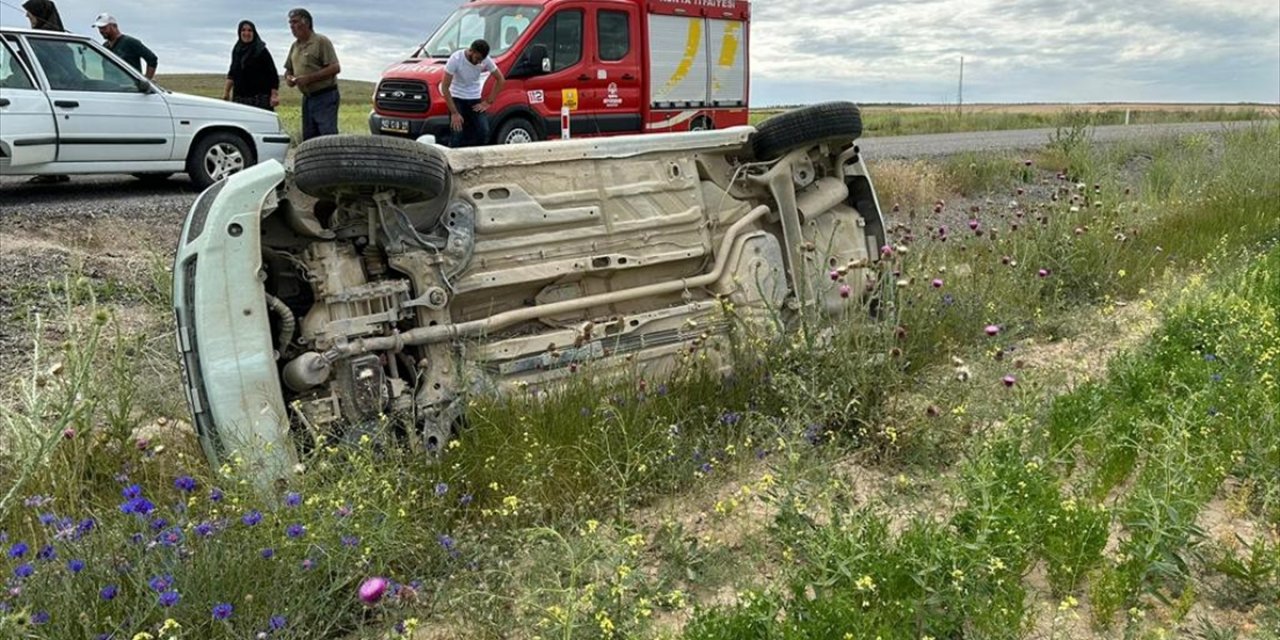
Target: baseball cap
pixel 104 19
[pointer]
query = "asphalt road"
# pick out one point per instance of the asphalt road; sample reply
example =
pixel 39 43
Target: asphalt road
pixel 126 197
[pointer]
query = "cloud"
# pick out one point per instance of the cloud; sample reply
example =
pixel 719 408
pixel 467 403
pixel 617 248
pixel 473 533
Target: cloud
pixel 809 50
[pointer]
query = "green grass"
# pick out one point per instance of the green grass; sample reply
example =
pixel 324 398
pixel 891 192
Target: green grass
pixel 841 481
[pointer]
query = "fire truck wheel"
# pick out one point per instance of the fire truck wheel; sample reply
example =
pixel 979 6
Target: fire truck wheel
pixel 516 130
pixel 331 166
pixel 826 122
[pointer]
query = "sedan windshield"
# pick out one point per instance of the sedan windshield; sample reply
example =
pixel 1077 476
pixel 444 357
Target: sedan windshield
pixel 499 24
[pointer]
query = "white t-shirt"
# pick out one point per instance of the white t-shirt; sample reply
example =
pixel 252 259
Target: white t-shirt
pixel 468 79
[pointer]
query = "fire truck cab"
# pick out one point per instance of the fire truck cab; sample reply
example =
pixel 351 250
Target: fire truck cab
pixel 620 66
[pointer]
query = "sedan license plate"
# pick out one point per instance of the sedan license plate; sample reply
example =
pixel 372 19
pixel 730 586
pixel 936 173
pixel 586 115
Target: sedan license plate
pixel 395 126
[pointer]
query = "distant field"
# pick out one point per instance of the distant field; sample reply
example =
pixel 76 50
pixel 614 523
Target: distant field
pixel 878 119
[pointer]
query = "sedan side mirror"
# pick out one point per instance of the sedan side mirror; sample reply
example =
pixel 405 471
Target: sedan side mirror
pixel 144 86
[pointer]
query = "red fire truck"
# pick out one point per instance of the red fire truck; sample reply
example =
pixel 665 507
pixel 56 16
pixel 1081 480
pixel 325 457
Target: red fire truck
pixel 620 66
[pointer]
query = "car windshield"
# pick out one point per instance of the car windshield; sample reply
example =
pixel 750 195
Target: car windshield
pixel 499 24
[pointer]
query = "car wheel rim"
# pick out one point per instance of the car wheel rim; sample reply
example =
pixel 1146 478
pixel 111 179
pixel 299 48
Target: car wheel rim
pixel 518 136
pixel 222 160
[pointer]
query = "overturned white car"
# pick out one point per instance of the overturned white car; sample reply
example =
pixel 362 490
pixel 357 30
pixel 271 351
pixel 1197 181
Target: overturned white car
pixel 414 275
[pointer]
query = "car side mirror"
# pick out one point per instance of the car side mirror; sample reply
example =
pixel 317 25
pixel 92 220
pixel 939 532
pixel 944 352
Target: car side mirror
pixel 540 58
pixel 144 86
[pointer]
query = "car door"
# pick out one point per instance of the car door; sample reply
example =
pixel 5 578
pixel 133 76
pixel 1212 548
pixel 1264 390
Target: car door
pixel 27 132
pixel 563 35
pixel 613 94
pixel 103 111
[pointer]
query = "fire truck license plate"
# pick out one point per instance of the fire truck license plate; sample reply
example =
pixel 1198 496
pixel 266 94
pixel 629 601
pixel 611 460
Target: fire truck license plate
pixel 395 126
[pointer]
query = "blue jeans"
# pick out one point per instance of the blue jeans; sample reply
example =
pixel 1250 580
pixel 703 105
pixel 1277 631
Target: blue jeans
pixel 320 114
pixel 475 125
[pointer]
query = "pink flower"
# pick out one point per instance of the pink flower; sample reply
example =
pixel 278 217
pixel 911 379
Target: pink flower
pixel 992 329
pixel 886 251
pixel 835 275
pixel 1009 381
pixel 937 283
pixel 1043 273
pixel 69 433
pixel 1005 259
pixel 844 291
pixel 973 224
pixel 373 589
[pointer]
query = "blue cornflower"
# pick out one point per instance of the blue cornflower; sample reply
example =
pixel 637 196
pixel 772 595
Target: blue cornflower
pixel 170 537
pixel 215 495
pixel 75 565
pixel 47 519
pixel 1217 377
pixel 160 583
pixel 252 518
pixel 185 483
pixel 86 525
pixel 705 467
pixel 292 499
pixel 442 488
pixel 268 553
pixel 1209 357
pixel 730 418
pixel 137 506
pixel 47 553
pixel 466 499
pixel 24 570
pixel 445 541
pixel 18 550
pixel 132 491
pixel 204 529
pixel 222 611
pixel 40 617
pixel 350 541
pixel 169 598
pixel 276 623
pixel 159 523
pixel 295 531
pixel 109 592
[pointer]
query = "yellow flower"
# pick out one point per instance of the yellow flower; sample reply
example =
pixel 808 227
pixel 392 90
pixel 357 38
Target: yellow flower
pixel 143 635
pixel 592 525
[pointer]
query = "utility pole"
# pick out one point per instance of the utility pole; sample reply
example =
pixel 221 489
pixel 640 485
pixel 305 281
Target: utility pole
pixel 960 105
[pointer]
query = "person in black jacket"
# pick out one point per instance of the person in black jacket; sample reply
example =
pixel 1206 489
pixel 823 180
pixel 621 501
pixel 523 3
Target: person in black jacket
pixel 252 78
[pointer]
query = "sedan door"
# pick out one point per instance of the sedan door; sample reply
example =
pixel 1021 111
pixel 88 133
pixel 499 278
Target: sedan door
pixel 27 135
pixel 104 112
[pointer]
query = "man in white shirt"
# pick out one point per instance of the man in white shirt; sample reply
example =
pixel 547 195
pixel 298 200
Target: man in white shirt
pixel 464 76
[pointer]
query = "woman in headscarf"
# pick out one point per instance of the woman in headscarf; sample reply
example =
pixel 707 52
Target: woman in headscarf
pixel 43 15
pixel 252 78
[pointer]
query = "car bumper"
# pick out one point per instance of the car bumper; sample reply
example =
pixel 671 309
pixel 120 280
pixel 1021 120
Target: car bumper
pixel 437 126
pixel 224 332
pixel 272 146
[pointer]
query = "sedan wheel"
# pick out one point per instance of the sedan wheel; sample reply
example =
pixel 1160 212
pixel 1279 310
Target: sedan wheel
pixel 217 156
pixel 222 160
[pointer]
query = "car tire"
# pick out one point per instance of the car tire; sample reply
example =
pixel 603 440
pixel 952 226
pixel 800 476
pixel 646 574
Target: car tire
pixel 330 166
pixel 153 178
pixel 826 122
pixel 218 155
pixel 516 130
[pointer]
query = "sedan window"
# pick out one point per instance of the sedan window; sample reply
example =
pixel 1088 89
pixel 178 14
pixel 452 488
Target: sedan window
pixel 12 75
pixel 77 66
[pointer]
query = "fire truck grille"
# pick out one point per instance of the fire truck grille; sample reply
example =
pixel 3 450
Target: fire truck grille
pixel 405 96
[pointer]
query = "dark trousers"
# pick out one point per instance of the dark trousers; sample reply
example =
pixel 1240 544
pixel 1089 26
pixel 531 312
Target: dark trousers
pixel 475 125
pixel 261 101
pixel 320 113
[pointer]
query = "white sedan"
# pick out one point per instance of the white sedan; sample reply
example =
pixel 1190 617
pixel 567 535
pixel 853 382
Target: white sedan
pixel 69 106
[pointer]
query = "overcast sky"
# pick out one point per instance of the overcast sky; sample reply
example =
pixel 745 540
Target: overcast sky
pixel 811 50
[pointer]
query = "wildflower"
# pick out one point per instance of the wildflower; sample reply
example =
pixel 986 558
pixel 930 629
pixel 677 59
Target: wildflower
pixel 222 611
pixel 47 553
pixel 169 598
pixel 295 531
pixel 845 291
pixel 886 251
pixel 268 553
pixel 132 491
pixel 730 418
pixel 308 564
pixel 170 537
pixel 276 623
pixel 109 592
pixel 373 589
pixel 343 511
pixel 937 283
pixel 159 523
pixel 75 566
pixel 350 541
pixel 160 583
pixel 1043 273
pixel 40 617
pixel 446 541
pixel 24 570
pixel 252 518
pixel 1009 381
pixel 137 506
pixel 185 483
pixel 441 488
pixel 992 329
pixel 973 224
pixel 835 275
pixel 86 526
pixel 215 495
pixel 292 499
pixel 47 519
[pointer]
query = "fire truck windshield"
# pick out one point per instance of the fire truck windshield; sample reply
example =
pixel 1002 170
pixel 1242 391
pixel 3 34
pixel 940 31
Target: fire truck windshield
pixel 499 24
